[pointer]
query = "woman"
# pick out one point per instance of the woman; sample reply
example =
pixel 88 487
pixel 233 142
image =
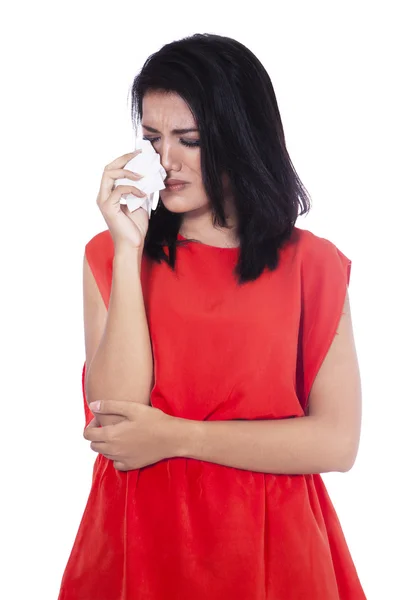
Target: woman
pixel 220 359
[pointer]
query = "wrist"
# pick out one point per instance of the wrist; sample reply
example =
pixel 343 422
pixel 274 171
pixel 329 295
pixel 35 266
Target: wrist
pixel 185 437
pixel 125 247
pixel 124 252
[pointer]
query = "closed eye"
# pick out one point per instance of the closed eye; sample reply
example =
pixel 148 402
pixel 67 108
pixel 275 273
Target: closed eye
pixel 187 143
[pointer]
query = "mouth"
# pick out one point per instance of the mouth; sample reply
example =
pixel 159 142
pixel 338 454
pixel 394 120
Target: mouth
pixel 175 187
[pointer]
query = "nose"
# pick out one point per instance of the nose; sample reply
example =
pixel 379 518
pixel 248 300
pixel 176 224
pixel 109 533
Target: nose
pixel 169 157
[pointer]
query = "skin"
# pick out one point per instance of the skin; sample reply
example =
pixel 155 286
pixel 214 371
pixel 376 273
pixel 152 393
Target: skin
pixel 165 112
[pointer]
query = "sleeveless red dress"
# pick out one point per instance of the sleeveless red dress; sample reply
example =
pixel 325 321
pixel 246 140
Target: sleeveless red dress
pixel 184 529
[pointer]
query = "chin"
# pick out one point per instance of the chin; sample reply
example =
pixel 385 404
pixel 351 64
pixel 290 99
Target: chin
pixel 178 203
pixel 175 205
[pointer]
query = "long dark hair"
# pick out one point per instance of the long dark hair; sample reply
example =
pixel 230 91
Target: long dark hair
pixel 232 99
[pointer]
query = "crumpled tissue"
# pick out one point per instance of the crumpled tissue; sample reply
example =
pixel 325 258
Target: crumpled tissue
pixel 146 163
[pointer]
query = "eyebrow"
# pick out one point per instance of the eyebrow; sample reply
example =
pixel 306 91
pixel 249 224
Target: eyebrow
pixel 174 131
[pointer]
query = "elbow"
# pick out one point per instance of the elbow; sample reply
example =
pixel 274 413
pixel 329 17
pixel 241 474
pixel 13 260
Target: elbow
pixel 89 391
pixel 347 456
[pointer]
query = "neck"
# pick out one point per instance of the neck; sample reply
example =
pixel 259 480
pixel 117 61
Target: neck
pixel 200 227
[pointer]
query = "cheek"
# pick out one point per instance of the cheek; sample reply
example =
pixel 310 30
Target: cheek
pixel 193 162
pixel 196 168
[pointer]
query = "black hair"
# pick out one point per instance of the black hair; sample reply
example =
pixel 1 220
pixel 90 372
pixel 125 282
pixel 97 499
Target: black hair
pixel 233 102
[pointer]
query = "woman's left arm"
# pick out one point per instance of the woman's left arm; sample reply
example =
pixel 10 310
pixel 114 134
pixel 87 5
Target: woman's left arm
pixel 327 439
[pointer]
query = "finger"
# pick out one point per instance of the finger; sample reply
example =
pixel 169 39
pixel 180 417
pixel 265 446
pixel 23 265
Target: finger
pixel 108 456
pixel 107 180
pixel 120 466
pixel 107 184
pixel 100 447
pixel 121 161
pixel 114 407
pixel 97 434
pixel 120 190
pixel 108 192
pixel 93 423
pixel 111 195
pixel 121 173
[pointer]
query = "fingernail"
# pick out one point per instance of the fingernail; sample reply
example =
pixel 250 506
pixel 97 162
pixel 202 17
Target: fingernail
pixel 139 175
pixel 94 405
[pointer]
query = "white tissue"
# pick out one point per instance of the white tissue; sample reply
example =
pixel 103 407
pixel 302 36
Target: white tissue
pixel 146 163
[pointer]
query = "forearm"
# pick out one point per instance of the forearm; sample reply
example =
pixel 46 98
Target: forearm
pixel 122 367
pixel 287 446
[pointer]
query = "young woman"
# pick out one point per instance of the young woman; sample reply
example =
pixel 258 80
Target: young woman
pixel 220 360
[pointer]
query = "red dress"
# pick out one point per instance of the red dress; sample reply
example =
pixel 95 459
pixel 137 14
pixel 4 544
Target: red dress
pixel 185 529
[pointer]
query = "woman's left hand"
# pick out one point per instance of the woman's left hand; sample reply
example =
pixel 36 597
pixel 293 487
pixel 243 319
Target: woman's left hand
pixel 144 437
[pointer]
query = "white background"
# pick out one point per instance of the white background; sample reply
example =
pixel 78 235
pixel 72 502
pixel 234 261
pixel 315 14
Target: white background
pixel 66 73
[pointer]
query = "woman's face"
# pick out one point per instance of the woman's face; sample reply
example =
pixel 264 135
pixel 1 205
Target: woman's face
pixel 179 151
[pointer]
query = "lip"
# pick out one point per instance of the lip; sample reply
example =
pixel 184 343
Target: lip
pixel 174 182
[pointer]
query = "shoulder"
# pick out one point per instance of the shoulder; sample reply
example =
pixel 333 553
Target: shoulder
pixel 318 251
pixel 321 260
pixel 99 254
pixel 101 242
pixel 309 243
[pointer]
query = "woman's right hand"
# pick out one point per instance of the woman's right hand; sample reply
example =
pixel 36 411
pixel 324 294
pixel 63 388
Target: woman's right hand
pixel 125 226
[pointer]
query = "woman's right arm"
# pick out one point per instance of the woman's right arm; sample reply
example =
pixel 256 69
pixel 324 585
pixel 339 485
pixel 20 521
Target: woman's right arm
pixel 119 361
